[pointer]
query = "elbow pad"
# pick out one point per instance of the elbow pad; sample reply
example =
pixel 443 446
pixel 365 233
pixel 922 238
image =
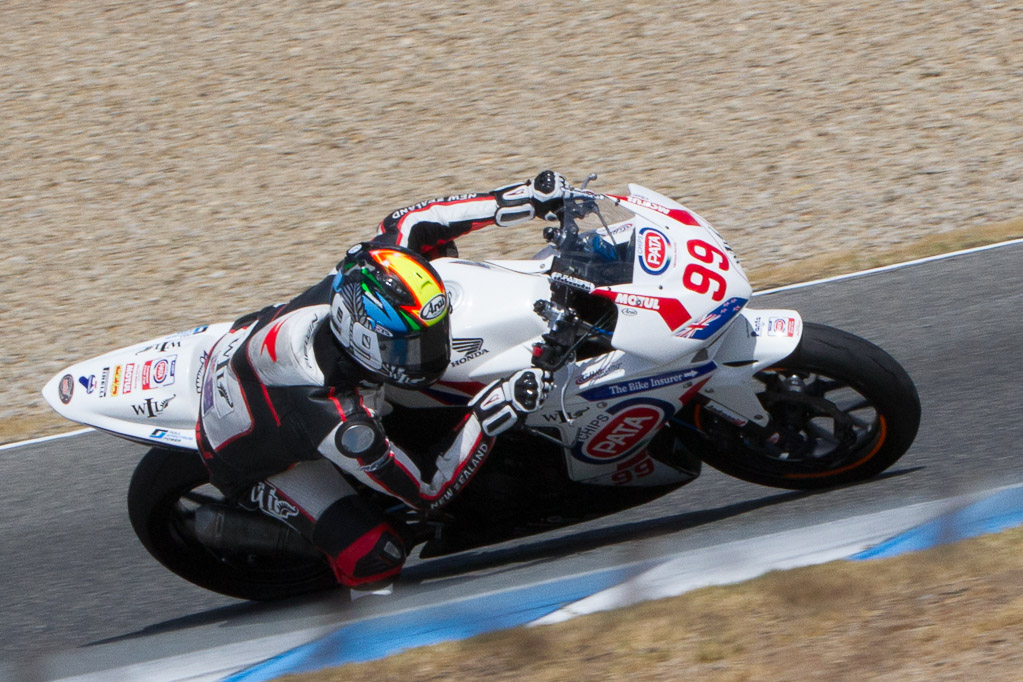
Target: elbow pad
pixel 362 439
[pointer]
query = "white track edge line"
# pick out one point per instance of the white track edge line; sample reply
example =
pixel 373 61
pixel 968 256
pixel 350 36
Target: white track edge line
pixel 787 287
pixel 886 268
pixel 44 439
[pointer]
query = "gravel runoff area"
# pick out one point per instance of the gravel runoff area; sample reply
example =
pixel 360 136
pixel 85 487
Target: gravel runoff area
pixel 165 163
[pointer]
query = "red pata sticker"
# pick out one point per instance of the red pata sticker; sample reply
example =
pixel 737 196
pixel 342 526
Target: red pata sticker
pixel 160 371
pixel 654 256
pixel 623 432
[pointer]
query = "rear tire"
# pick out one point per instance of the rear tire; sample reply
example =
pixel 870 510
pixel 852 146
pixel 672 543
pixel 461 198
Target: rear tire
pixel 845 409
pixel 164 492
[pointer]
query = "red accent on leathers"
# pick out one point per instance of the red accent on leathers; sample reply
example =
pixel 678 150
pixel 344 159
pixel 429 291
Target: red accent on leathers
pixel 344 564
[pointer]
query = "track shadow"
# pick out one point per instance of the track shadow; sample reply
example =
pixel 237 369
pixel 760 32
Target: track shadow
pixel 234 615
pixel 556 548
pixel 540 550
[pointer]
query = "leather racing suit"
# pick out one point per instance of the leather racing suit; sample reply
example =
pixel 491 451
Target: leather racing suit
pixel 284 409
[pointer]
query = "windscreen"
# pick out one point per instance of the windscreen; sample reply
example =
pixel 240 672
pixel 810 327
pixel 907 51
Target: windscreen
pixel 601 246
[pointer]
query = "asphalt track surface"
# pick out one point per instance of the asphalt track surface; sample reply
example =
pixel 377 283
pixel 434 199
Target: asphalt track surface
pixel 73 575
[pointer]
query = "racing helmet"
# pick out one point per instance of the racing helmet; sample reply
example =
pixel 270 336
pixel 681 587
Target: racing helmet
pixel 390 312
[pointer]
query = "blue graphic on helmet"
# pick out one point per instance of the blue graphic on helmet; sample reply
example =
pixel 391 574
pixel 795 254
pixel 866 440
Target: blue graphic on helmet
pixel 338 278
pixel 383 313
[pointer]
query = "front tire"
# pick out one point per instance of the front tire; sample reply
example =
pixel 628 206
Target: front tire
pixel 165 491
pixel 842 410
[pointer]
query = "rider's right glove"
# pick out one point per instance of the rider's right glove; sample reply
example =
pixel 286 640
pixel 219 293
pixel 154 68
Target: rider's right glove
pixel 548 192
pixel 504 403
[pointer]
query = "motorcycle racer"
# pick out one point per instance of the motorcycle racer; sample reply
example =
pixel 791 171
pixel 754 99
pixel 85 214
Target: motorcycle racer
pixel 292 395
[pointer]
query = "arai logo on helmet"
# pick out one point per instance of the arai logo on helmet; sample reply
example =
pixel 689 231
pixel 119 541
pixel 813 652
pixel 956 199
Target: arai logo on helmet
pixel 653 251
pixel 434 308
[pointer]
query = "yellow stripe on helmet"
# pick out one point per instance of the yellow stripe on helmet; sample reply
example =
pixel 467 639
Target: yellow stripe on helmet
pixel 423 286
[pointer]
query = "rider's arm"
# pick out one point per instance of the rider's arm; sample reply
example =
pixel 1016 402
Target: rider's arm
pixel 428 225
pixel 360 447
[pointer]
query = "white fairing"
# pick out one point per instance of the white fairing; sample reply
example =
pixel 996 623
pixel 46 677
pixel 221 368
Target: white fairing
pixel 682 329
pixel 493 328
pixel 148 392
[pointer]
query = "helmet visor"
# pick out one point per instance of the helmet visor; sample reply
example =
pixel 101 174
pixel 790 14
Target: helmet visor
pixel 417 359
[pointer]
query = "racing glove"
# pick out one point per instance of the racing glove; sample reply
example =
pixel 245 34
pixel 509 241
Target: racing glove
pixel 522 201
pixel 504 403
pixel 548 192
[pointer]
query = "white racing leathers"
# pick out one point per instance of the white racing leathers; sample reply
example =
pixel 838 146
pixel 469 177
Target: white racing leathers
pixel 283 408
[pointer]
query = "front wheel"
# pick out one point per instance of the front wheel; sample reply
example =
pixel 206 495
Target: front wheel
pixel 166 492
pixel 842 410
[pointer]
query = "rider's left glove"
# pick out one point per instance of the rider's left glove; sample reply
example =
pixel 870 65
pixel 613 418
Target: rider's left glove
pixel 505 403
pixel 548 191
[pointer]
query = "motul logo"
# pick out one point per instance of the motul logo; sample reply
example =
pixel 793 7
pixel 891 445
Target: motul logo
pixel 654 253
pixel 623 432
pixel 634 301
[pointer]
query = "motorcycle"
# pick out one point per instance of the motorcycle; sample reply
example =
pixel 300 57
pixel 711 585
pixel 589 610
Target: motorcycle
pixel 639 309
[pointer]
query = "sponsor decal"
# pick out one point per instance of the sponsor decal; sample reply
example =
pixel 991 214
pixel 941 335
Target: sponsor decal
pixel 159 347
pixel 592 427
pixel 266 498
pixel 653 247
pixel 781 326
pixel 684 217
pixel 88 382
pixel 636 301
pixel 377 328
pixel 207 393
pixel 423 204
pixel 571 281
pixel 66 388
pixel 623 429
pixel 202 366
pixel 434 308
pixel 726 414
pixel 594 374
pixel 167 436
pixel 129 378
pixel 671 310
pixel 115 382
pixel 187 332
pixel 469 348
pixel 104 377
pixel 624 388
pixel 398 374
pixel 711 323
pixel 216 383
pixel 152 408
pixel 468 469
pixel 559 416
pixel 307 342
pixel 157 373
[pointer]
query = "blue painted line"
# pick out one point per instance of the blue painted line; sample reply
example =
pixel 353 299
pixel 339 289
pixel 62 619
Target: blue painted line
pixel 999 512
pixel 387 635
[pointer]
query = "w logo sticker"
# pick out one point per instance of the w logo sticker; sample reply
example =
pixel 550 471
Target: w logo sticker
pixel 265 496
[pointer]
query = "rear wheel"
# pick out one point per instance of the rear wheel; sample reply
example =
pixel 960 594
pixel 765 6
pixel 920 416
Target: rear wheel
pixel 166 490
pixel 842 410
